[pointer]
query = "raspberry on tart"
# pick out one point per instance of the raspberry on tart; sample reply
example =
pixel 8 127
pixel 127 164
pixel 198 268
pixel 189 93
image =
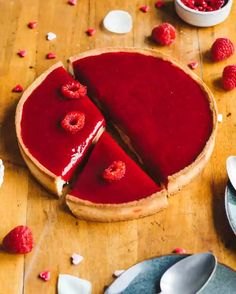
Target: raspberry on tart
pixel 73 90
pixel 171 118
pixel 51 153
pixel 128 196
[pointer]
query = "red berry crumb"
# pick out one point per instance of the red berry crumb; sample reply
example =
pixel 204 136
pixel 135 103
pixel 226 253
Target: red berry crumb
pixel 179 250
pixel 32 24
pixel 144 8
pixel 74 90
pixel 22 53
pixel 18 240
pixel 17 89
pixel 164 34
pixel 72 2
pixel 229 77
pixel 159 4
pixel 193 64
pixel 115 171
pixel 90 32
pixel 73 122
pixel 222 49
pixel 51 55
pixel 45 276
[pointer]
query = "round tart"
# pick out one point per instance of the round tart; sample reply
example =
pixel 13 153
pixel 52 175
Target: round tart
pixel 162 114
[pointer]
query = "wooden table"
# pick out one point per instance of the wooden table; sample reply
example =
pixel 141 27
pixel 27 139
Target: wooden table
pixel 195 219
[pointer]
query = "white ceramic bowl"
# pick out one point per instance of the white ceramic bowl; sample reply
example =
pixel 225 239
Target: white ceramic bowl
pixel 201 18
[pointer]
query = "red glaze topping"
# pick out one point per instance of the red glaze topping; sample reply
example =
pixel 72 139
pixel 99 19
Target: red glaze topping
pixel 164 112
pixel 91 186
pixel 59 151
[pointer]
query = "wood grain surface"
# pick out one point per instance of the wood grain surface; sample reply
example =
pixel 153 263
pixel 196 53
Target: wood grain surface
pixel 195 219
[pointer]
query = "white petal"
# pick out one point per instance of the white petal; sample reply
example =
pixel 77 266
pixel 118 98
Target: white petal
pixel 68 284
pixel 118 21
pixel 118 273
pixel 76 258
pixel 51 36
pixel 220 117
pixel 1 172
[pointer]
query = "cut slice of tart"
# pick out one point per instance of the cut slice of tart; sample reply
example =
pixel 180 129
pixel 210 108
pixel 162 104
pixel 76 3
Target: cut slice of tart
pixel 55 124
pixel 163 111
pixel 112 187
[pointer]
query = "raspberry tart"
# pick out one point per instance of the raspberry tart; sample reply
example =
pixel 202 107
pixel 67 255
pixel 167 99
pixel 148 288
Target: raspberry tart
pixel 56 123
pixel 164 112
pixel 113 187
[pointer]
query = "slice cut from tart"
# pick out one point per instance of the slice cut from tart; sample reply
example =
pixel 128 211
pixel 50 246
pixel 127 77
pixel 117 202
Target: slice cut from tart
pixel 113 187
pixel 163 111
pixel 56 123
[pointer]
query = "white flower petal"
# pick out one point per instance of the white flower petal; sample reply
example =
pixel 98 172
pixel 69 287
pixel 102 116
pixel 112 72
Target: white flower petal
pixel 68 284
pixel 1 172
pixel 118 21
pixel 76 258
pixel 118 273
pixel 51 36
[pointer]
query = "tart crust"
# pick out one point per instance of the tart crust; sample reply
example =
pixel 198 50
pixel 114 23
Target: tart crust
pixel 87 210
pixel 183 177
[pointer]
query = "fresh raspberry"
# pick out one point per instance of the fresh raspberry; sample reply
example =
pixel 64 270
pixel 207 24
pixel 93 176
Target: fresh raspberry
pixel 115 171
pixel 159 4
pixel 229 77
pixel 51 55
pixel 17 89
pixel 22 53
pixel 215 4
pixel 45 276
pixel 32 24
pixel 74 90
pixel 193 64
pixel 144 8
pixel 90 32
pixel 72 2
pixel 73 122
pixel 18 240
pixel 164 34
pixel 222 49
pixel 179 250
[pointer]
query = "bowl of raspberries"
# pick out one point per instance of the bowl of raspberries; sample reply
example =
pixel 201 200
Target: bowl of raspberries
pixel 203 13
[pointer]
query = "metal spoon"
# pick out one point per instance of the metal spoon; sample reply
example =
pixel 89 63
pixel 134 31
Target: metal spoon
pixel 189 275
pixel 231 170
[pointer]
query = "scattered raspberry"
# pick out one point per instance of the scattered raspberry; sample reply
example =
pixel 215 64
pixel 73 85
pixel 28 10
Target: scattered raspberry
pixel 90 32
pixel 22 53
pixel 17 89
pixel 164 34
pixel 45 276
pixel 32 24
pixel 179 251
pixel 144 8
pixel 229 77
pixel 73 122
pixel 74 90
pixel 115 171
pixel 222 49
pixel 159 4
pixel 193 64
pixel 72 2
pixel 51 55
pixel 18 240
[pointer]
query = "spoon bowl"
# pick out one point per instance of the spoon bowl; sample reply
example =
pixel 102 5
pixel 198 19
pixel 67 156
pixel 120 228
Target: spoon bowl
pixel 190 275
pixel 231 170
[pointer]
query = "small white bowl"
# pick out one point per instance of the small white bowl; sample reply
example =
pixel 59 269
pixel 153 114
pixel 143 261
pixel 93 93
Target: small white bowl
pixel 201 18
